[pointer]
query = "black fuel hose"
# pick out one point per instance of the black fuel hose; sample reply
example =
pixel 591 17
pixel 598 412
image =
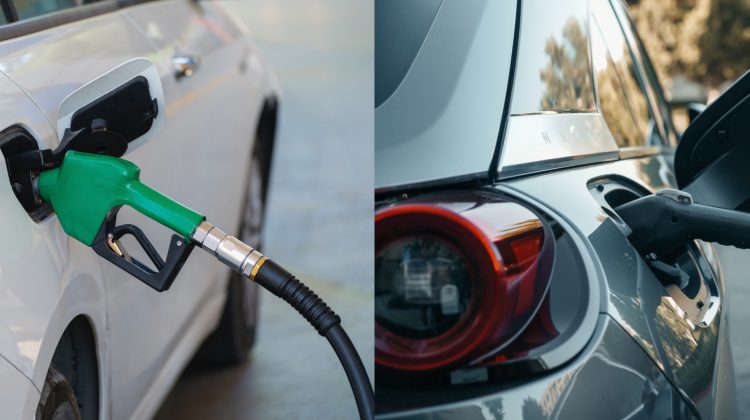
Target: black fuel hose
pixel 283 284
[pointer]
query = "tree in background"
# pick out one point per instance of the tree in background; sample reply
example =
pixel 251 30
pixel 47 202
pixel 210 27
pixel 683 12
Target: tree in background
pixel 725 44
pixel 567 75
pixel 708 41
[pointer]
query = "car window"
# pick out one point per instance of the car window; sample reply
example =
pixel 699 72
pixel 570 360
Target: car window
pixel 612 97
pixel 553 72
pixel 26 9
pixel 622 97
pixel 662 107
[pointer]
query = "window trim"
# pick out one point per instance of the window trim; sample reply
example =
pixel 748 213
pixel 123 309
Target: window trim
pixel 641 151
pixel 17 28
pixel 654 83
pixel 596 28
pixel 629 31
pixel 9 10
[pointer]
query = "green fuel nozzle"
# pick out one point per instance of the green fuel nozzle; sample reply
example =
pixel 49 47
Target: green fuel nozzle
pixel 87 187
pixel 87 191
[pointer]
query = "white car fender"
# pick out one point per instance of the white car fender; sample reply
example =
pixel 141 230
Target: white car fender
pixel 47 283
pixel 46 278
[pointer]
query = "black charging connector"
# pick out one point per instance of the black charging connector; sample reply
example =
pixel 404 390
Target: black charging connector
pixel 669 220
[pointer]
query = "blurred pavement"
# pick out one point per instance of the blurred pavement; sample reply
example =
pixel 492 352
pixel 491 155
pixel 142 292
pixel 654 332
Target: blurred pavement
pixel 734 263
pixel 319 219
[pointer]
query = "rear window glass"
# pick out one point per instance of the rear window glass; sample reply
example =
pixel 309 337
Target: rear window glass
pixel 624 101
pixel 31 8
pixel 614 90
pixel 553 72
pixel 400 28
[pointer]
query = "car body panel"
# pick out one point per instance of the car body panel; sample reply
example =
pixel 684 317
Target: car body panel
pixel 689 355
pixel 43 289
pixel 692 362
pixel 18 396
pixel 544 142
pixel 46 278
pixel 417 118
pixel 51 64
pixel 578 390
pixel 195 148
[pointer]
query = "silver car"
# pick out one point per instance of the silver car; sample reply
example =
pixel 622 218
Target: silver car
pixel 509 138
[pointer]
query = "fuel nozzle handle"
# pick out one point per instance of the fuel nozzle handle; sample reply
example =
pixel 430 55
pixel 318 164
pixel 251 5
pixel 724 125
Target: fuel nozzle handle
pixel 664 222
pixel 87 189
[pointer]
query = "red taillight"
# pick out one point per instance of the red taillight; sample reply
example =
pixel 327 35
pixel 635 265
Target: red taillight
pixel 456 281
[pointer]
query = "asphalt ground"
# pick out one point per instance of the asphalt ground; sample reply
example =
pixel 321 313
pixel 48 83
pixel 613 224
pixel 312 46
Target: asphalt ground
pixel 735 264
pixel 319 218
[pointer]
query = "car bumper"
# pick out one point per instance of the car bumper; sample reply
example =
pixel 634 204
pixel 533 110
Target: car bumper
pixel 612 378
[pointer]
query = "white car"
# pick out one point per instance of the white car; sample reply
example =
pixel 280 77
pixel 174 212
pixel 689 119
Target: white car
pixel 77 334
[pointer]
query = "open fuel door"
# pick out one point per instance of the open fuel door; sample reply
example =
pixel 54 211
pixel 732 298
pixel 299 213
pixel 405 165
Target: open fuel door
pixel 117 111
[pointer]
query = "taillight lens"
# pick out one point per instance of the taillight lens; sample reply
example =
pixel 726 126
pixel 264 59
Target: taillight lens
pixel 456 280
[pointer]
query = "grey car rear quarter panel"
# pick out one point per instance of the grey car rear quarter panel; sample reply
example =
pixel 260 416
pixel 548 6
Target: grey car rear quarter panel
pixel 451 100
pixel 638 342
pixel 634 298
pixel 606 381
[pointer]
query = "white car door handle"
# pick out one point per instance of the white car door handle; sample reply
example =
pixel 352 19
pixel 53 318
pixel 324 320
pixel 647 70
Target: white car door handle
pixel 185 65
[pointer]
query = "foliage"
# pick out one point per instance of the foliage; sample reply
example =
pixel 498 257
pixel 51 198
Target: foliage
pixel 567 76
pixel 706 40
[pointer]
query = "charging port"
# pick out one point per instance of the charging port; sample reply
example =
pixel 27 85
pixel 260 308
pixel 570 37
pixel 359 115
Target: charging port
pixel 685 274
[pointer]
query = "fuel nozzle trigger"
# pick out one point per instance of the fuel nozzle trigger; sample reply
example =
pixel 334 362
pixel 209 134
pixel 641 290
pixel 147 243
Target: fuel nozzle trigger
pixel 108 246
